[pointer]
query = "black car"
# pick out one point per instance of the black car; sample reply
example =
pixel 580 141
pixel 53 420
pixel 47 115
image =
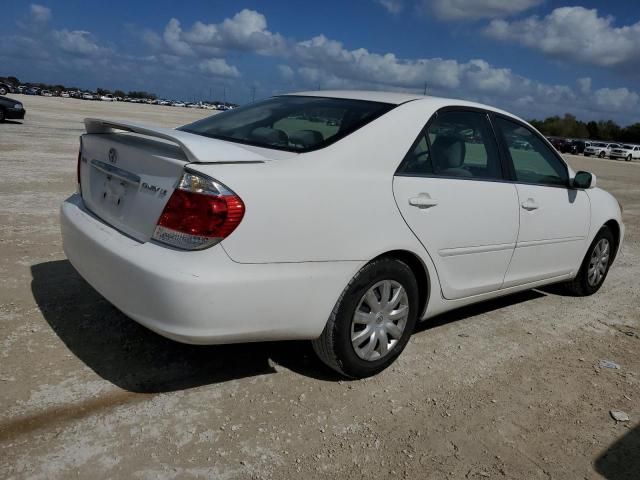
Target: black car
pixel 577 146
pixel 11 109
pixel 5 88
pixel 560 144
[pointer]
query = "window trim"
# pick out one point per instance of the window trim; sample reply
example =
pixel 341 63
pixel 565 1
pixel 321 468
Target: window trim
pixel 504 169
pixel 509 160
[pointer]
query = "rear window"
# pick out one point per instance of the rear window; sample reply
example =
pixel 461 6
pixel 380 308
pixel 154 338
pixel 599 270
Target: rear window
pixel 292 123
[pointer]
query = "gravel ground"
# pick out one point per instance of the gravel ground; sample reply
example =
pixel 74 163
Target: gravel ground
pixel 512 388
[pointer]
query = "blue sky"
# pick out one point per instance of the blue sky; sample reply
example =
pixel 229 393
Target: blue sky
pixel 533 57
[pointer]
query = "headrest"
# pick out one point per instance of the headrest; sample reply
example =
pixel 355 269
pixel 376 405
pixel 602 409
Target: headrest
pixel 306 138
pixel 271 136
pixel 448 151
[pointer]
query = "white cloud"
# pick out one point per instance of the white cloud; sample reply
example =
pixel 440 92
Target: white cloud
pixel 616 100
pixel 151 39
pixel 247 31
pixel 219 67
pixel 39 13
pixel 286 72
pixel 584 84
pixel 476 9
pixel 575 34
pixel 77 42
pixel 392 6
pixel 172 37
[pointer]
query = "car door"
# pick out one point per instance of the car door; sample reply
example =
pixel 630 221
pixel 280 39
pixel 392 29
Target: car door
pixel 451 191
pixel 554 219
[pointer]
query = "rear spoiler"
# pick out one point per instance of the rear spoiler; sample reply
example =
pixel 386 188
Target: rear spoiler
pixel 197 148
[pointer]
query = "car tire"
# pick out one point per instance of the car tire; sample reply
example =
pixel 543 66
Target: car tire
pixel 601 155
pixel 628 159
pixel 593 271
pixel 3 91
pixel 344 347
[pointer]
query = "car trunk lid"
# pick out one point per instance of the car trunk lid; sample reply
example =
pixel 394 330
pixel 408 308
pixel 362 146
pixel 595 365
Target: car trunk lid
pixel 128 171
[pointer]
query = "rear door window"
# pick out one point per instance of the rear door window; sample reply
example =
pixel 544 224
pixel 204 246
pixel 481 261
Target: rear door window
pixel 458 144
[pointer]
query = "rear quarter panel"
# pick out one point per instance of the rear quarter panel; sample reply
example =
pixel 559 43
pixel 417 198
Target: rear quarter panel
pixel 333 204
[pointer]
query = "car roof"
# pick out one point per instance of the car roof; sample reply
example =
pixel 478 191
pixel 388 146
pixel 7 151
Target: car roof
pixel 397 98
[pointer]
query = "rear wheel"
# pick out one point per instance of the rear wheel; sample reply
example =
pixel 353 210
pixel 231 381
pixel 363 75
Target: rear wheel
pixel 3 91
pixel 595 265
pixel 601 155
pixel 372 321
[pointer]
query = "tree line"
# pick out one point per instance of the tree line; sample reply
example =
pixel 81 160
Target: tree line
pixel 570 127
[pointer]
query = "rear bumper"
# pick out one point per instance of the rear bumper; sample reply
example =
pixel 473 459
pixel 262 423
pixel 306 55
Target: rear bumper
pixel 201 297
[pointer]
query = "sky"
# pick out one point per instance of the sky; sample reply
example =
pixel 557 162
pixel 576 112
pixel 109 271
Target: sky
pixel 532 57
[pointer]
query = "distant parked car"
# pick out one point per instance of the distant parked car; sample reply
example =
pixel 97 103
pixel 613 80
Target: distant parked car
pixel 577 146
pixel 177 104
pixel 11 109
pixel 32 91
pixel 64 94
pixel 46 93
pixel 5 88
pixel 107 98
pixel 87 96
pixel 560 144
pixel 628 152
pixel 600 149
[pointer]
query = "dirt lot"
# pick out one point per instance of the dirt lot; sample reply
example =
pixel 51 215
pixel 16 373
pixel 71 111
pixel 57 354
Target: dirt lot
pixel 507 389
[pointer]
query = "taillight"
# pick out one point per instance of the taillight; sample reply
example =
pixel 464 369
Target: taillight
pixel 200 213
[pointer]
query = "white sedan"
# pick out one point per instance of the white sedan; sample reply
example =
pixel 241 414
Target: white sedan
pixel 339 217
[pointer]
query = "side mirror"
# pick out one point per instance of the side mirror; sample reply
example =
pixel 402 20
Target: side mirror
pixel 584 180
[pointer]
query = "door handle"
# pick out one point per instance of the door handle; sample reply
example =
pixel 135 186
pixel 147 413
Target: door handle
pixel 530 204
pixel 422 201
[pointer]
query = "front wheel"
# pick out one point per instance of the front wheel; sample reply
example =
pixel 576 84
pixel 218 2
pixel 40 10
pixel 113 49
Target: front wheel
pixel 601 155
pixel 3 91
pixel 595 265
pixel 372 321
pixel 628 159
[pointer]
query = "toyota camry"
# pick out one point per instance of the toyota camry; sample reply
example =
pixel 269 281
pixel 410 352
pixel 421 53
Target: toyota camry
pixel 339 217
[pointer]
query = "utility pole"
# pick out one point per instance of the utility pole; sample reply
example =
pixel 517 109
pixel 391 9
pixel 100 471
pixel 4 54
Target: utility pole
pixel 224 95
pixel 425 89
pixel 253 94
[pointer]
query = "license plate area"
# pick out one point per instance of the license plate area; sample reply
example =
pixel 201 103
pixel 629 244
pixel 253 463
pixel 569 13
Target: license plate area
pixel 113 185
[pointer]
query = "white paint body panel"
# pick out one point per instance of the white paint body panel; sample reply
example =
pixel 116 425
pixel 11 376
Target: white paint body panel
pixel 552 237
pixel 471 232
pixel 312 221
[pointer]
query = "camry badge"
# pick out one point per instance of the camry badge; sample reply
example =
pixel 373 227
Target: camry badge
pixel 113 155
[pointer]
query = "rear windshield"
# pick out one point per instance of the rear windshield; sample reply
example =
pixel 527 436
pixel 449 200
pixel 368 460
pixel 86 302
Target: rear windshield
pixel 293 123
